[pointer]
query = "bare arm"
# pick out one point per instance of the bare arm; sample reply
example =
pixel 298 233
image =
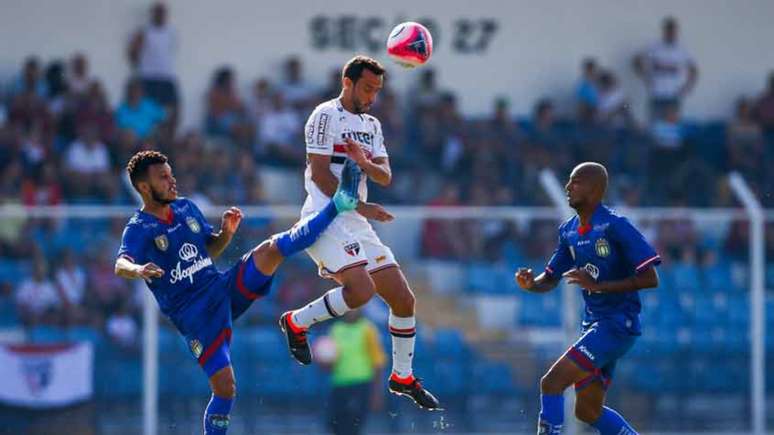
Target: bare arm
pixel 378 169
pixel 693 77
pixel 542 284
pixel 126 268
pixel 134 48
pixel 217 242
pixel 648 278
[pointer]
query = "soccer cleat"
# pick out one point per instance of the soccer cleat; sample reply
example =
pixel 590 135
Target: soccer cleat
pixel 297 341
pixel 416 392
pixel 346 196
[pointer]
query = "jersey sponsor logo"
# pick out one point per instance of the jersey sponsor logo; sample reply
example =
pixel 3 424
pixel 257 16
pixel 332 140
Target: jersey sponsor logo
pixel 309 132
pixel 193 224
pixel 162 242
pixel 173 229
pixel 584 242
pixel 583 350
pixel 359 136
pixel 196 347
pixel 602 248
pixel 188 252
pixel 601 227
pixel 322 128
pixel 592 270
pixel 352 248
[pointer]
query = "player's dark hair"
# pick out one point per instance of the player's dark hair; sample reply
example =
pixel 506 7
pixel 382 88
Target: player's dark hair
pixel 353 70
pixel 140 162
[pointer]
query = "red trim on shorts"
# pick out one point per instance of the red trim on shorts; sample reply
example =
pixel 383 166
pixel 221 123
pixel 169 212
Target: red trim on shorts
pixel 240 282
pixel 225 334
pixel 386 266
pixel 582 360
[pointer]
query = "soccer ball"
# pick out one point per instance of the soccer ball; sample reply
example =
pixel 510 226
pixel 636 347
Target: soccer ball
pixel 410 44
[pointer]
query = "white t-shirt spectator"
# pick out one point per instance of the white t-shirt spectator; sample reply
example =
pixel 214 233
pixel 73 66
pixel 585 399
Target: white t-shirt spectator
pixel 87 159
pixel 122 329
pixel 666 69
pixel 279 127
pixel 72 283
pixel 157 57
pixel 37 297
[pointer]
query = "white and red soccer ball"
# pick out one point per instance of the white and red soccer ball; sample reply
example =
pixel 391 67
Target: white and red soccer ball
pixel 410 44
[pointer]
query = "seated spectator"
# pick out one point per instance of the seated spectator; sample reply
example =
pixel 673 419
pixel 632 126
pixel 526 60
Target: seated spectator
pixel 71 283
pixel 138 113
pixel 298 93
pixel 78 78
pixel 279 133
pixel 29 81
pixel 744 140
pixel 586 91
pixel 37 299
pixel 442 238
pixel 122 328
pixel 764 109
pixel 93 108
pixel 260 101
pixel 57 89
pixel 612 108
pixel 226 114
pixel 43 188
pixel 87 163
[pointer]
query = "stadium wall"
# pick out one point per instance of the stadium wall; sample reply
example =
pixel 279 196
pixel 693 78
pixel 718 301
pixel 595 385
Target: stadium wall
pixel 522 50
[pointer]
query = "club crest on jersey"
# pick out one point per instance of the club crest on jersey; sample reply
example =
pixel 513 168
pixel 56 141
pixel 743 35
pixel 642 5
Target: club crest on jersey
pixel 193 224
pixel 352 248
pixel 602 248
pixel 162 242
pixel 196 347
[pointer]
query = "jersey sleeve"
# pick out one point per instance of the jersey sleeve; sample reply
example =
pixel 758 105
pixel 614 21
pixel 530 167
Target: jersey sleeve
pixel 199 216
pixel 133 243
pixel 379 149
pixel 637 251
pixel 319 133
pixel 561 261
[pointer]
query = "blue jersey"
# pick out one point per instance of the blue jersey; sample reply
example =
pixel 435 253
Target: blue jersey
pixel 177 246
pixel 609 249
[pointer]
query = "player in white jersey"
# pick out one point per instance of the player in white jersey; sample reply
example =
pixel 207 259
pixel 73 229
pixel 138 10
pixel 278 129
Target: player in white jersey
pixel 349 251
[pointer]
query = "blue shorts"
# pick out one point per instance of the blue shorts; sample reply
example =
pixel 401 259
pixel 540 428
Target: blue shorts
pixel 599 348
pixel 224 301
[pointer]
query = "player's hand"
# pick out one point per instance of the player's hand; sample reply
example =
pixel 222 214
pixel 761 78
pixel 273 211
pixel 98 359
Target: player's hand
pixel 355 152
pixel 373 211
pixel 525 278
pixel 231 219
pixel 149 271
pixel 581 278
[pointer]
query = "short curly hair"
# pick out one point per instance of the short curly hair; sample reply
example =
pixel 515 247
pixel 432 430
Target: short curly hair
pixel 140 162
pixel 355 67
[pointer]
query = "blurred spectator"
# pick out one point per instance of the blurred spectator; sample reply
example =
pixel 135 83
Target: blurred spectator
pixel 764 108
pixel 151 53
pixel 36 296
pixel 226 114
pixel 260 101
pixel 279 132
pixel 668 133
pixel 29 81
pixel 612 109
pixel 442 238
pixel 586 91
pixel 93 108
pixel 122 328
pixel 356 368
pixel 87 164
pixel 745 140
pixel 668 70
pixel 71 284
pixel 333 87
pixel 43 188
pixel 107 291
pixel 298 93
pixel 56 88
pixel 426 94
pixel 139 113
pixel 79 79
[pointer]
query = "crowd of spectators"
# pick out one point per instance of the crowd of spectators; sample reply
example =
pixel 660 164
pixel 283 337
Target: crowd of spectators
pixel 62 142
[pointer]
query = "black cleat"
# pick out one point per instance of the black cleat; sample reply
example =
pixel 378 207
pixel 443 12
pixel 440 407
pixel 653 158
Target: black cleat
pixel 346 196
pixel 416 392
pixel 297 341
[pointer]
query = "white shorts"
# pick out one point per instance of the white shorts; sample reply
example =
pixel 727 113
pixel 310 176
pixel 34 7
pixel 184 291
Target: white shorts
pixel 343 246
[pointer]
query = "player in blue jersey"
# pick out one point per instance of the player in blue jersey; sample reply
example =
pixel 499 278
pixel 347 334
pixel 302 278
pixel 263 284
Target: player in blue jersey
pixel 610 260
pixel 170 245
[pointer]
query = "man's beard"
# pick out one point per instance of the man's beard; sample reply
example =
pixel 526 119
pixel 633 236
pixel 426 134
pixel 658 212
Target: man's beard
pixel 358 106
pixel 157 197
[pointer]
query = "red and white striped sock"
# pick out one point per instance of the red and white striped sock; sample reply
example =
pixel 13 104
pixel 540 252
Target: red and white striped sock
pixel 403 331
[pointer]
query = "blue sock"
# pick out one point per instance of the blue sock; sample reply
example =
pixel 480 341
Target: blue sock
pixel 306 231
pixel 551 414
pixel 611 423
pixel 216 416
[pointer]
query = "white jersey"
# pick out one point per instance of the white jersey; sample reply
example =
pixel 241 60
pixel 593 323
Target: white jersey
pixel 327 127
pixel 667 66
